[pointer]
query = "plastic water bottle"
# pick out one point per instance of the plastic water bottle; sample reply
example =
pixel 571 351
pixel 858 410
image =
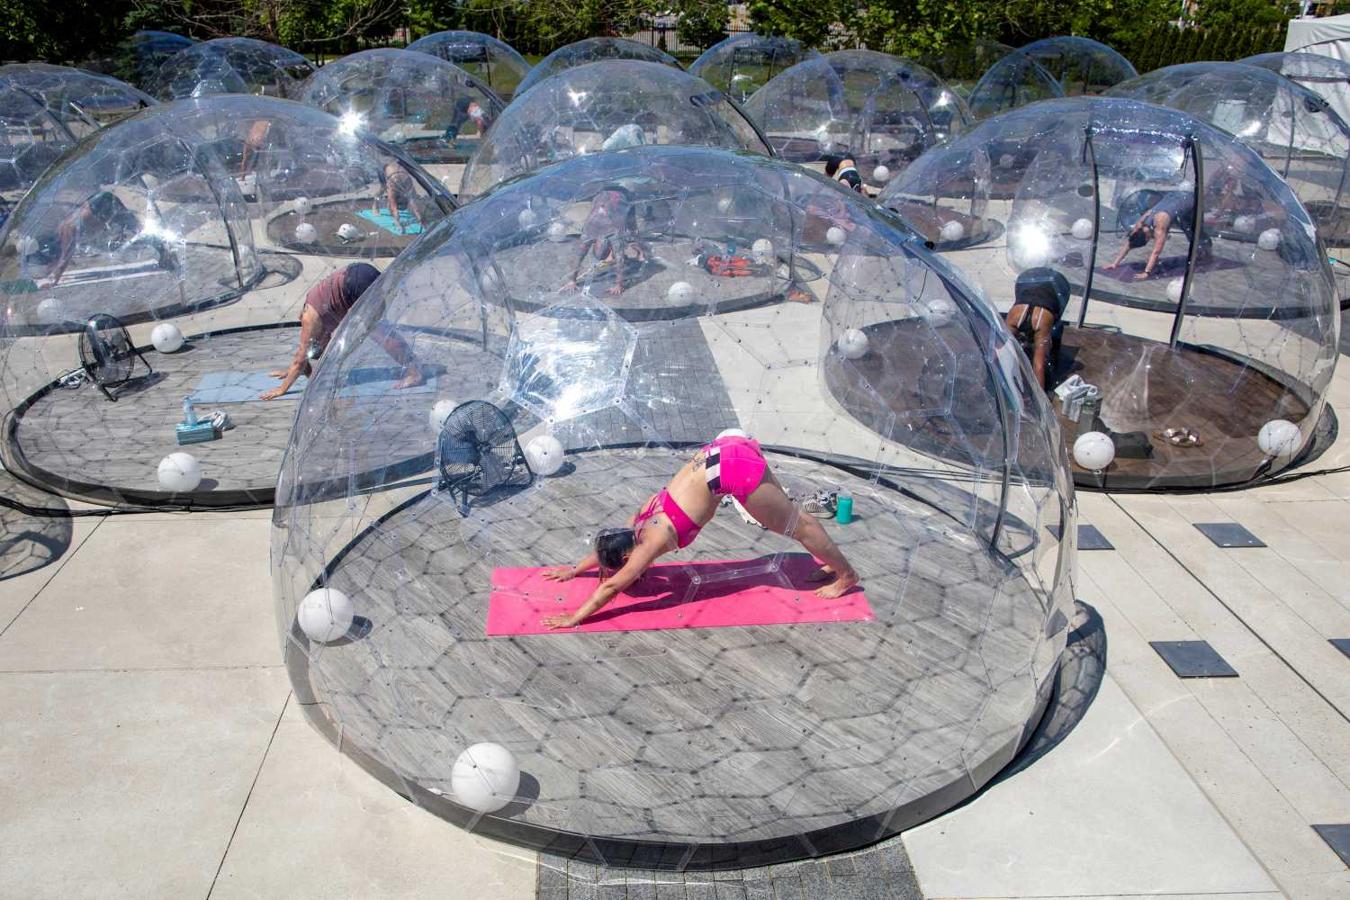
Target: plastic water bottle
pixel 189 414
pixel 843 508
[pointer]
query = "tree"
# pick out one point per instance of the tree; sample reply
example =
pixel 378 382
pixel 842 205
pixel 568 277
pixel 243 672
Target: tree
pixel 701 22
pixel 808 21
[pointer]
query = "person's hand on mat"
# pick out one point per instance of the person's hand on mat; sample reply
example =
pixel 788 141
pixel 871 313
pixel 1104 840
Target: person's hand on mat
pixel 613 291
pixel 564 574
pixel 1143 276
pixel 559 622
pixel 279 373
pixel 274 393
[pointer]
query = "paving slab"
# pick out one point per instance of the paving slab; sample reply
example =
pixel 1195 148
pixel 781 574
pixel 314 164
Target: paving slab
pixel 1082 818
pixel 186 593
pixel 127 784
pixel 317 825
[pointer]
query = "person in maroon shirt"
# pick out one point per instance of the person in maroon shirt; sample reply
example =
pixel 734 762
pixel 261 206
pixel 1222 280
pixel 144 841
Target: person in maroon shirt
pixel 326 305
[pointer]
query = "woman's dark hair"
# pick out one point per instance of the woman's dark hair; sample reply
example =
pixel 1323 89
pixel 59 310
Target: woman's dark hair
pixel 832 165
pixel 612 546
pixel 1138 239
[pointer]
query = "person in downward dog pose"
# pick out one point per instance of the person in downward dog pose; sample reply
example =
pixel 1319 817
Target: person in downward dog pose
pixel 672 518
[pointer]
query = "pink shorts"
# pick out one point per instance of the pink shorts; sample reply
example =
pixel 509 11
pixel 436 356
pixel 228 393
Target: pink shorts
pixel 734 466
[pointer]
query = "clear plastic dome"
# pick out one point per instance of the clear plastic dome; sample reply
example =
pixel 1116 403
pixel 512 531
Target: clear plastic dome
pixel 493 62
pixel 136 59
pixel 31 140
pixel 881 109
pixel 1293 129
pixel 962 65
pixel 745 62
pixel 1219 321
pixel 83 101
pixel 231 66
pixel 316 184
pixel 1046 69
pixel 744 293
pixel 589 51
pixel 607 105
pixel 431 109
pixel 160 224
pixel 1325 76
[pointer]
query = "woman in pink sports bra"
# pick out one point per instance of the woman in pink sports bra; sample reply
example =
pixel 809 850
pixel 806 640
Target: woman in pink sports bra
pixel 672 518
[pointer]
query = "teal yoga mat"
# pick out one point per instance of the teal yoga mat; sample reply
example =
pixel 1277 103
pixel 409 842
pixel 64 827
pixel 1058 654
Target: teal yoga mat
pixel 386 221
pixel 241 387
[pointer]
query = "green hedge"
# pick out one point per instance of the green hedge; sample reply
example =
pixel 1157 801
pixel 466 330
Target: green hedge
pixel 1171 45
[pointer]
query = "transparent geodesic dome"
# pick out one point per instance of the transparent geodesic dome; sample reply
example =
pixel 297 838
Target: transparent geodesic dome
pixel 962 65
pixel 158 221
pixel 608 105
pixel 745 62
pixel 136 59
pixel 1053 67
pixel 1234 327
pixel 743 293
pixel 32 139
pixel 882 110
pixel 592 50
pixel 315 184
pixel 431 109
pixel 232 65
pixel 494 63
pixel 83 101
pixel 1325 76
pixel 1294 130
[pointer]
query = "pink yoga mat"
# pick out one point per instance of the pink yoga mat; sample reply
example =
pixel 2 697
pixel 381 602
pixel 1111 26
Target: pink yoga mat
pixel 706 594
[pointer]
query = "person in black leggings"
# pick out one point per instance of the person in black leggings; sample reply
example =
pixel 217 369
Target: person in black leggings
pixel 1036 319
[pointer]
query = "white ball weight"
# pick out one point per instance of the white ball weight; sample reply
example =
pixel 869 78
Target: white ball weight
pixel 1268 239
pixel 1093 451
pixel 853 344
pixel 762 250
pixel 303 206
pixel 325 615
pixel 485 777
pixel 881 174
pixel 179 473
pixel 166 337
pixel 544 454
pixel 937 311
pixel 836 235
pixel 306 233
pixel 680 292
pixel 439 413
pixel 557 232
pixel 348 232
pixel 1244 224
pixel 1280 438
pixel 1081 229
pixel 953 231
pixel 1174 289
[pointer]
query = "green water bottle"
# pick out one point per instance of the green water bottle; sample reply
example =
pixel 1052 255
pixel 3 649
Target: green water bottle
pixel 843 508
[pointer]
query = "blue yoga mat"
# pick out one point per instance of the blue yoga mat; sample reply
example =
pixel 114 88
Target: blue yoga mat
pixel 386 221
pixel 241 387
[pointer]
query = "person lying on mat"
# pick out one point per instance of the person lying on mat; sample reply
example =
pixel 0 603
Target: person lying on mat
pixel 326 305
pixel 610 235
pixel 106 219
pixel 1171 208
pixel 671 520
pixel 399 191
pixel 1040 297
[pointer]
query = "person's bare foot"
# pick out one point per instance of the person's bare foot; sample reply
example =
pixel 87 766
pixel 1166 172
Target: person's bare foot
pixel 824 573
pixel 840 586
pixel 412 377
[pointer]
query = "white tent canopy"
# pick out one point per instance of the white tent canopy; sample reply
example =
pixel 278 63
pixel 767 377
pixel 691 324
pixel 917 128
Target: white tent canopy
pixel 1329 36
